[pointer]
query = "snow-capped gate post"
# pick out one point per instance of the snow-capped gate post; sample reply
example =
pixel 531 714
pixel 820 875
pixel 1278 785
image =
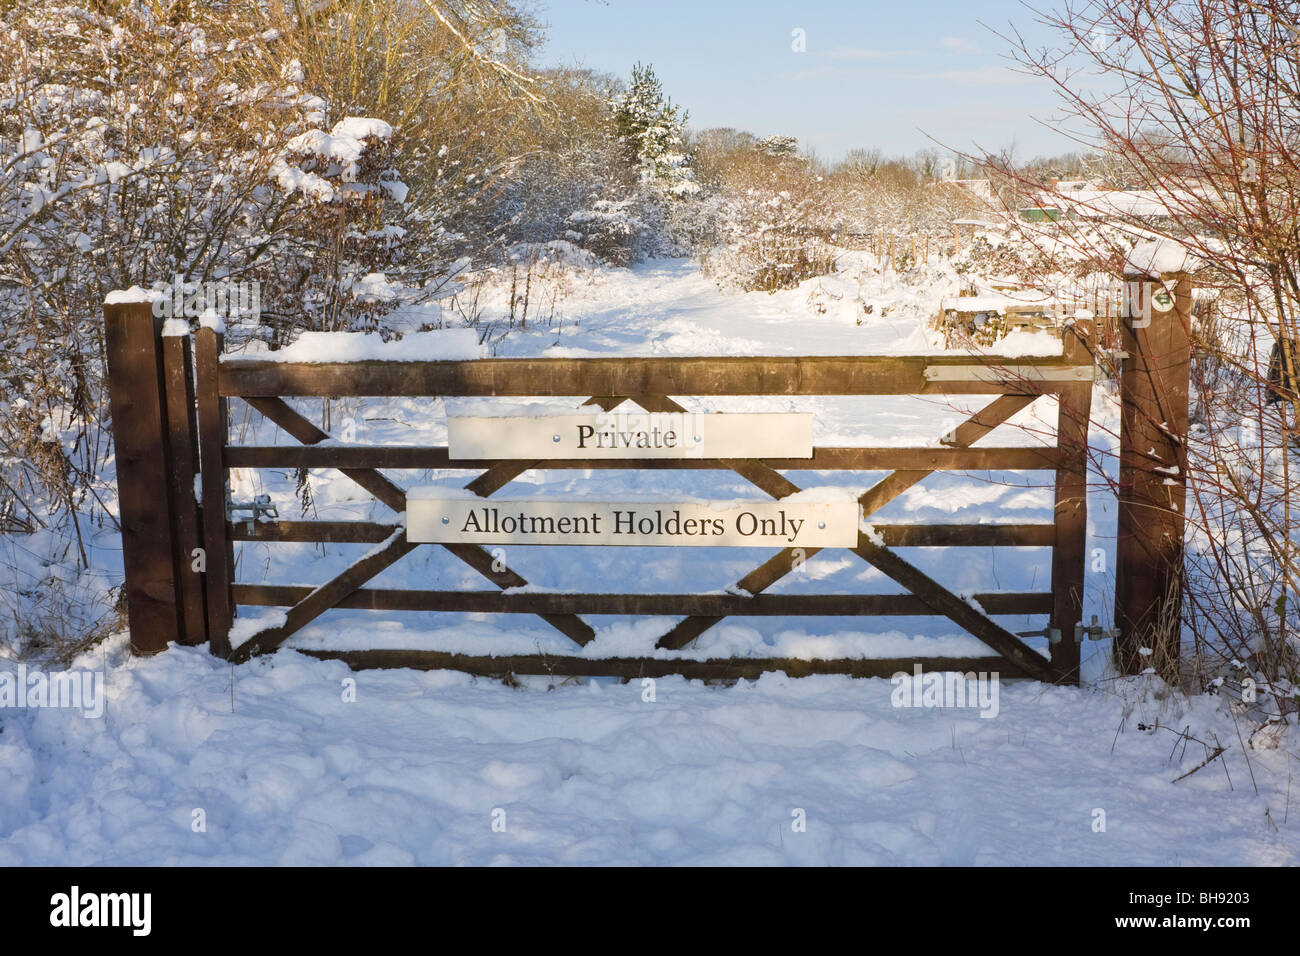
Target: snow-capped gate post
pixel 133 348
pixel 1154 384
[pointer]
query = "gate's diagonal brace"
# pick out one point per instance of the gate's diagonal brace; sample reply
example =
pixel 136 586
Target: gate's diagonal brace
pixel 922 585
pixel 755 582
pixel 963 436
pixel 326 596
pixel 392 495
pixel 606 402
pixel 884 491
pixel 955 609
pixel 570 625
pixel 757 472
pixel 488 483
pixel 763 576
pixel 278 411
pixel 498 476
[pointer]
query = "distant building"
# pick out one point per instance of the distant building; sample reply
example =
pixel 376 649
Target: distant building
pixel 1041 214
pixel 1116 204
pixel 1077 199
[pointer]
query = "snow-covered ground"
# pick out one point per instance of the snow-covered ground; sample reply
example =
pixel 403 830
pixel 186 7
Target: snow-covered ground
pixel 668 307
pixel 280 766
pixel 420 767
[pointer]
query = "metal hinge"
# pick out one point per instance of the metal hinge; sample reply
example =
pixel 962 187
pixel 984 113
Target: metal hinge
pixel 1094 631
pixel 257 508
pixel 1053 634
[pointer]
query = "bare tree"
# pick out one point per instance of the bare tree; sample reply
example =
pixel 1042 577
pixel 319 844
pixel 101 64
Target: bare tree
pixel 1193 108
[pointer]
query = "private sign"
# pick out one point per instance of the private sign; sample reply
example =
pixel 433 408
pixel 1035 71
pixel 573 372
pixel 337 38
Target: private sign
pixel 631 435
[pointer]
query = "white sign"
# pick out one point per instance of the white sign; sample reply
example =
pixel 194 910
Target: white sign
pixel 1008 374
pixel 750 524
pixel 631 435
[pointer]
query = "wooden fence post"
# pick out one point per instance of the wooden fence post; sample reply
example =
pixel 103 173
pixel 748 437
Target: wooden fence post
pixel 1155 383
pixel 133 349
pixel 219 549
pixel 183 468
pixel 1071 512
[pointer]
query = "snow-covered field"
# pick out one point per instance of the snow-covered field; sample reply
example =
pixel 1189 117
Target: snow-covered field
pixel 279 765
pixel 420 767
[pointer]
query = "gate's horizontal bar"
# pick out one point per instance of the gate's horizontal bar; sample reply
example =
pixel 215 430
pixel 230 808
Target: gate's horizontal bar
pixel 547 602
pixel 823 459
pixel 895 535
pixel 967 535
pixel 332 532
pixel 678 375
pixel 637 667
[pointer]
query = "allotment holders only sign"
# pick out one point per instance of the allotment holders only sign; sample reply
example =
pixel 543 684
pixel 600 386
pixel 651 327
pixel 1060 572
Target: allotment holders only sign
pixel 441 516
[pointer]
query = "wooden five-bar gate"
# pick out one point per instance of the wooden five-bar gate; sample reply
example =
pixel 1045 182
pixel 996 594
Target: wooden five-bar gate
pixel 169 405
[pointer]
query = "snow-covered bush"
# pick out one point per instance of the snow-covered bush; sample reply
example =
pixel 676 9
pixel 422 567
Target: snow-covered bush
pixel 119 173
pixel 770 225
pixel 350 203
pixel 769 240
pixel 135 149
pixel 610 229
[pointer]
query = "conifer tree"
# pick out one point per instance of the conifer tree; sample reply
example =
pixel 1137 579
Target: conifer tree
pixel 651 128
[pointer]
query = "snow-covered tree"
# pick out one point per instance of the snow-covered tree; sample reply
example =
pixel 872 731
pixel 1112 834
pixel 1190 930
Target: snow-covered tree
pixel 651 127
pixel 779 146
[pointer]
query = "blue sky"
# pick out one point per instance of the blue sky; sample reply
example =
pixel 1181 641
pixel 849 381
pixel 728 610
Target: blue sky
pixel 874 74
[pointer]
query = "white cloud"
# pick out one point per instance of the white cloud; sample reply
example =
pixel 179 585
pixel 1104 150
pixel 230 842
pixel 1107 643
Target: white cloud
pixel 958 44
pixel 815 73
pixel 856 53
pixel 984 76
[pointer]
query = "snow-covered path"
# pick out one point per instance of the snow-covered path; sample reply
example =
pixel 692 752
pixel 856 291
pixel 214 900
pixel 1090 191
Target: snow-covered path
pixel 668 307
pixel 421 765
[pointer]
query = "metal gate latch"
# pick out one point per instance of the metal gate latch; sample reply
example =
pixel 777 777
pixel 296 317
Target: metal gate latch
pixel 258 507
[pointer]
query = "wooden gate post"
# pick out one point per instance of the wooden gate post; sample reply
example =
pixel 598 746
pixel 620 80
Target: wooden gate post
pixel 183 468
pixel 219 549
pixel 133 349
pixel 1154 384
pixel 1070 518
